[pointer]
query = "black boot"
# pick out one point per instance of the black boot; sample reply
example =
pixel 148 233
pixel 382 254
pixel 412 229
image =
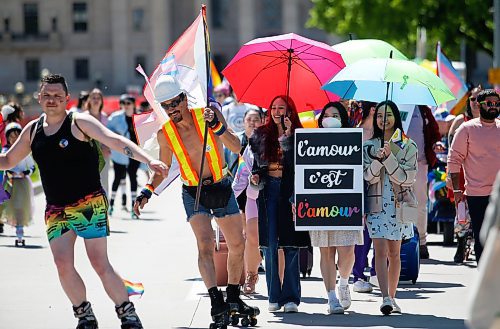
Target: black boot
pixel 239 309
pixel 85 316
pixel 460 254
pixel 126 313
pixel 219 310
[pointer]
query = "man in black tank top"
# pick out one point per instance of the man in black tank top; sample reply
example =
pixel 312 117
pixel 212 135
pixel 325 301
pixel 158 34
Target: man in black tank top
pixel 63 145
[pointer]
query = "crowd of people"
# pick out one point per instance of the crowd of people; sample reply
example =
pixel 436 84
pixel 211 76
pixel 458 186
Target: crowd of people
pixel 396 185
pixel 247 183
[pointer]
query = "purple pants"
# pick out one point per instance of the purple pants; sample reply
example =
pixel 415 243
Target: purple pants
pixel 361 257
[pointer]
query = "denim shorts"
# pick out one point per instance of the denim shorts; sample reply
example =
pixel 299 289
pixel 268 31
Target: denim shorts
pixel 230 209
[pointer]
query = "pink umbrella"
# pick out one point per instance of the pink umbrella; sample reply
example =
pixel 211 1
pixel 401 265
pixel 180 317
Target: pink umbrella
pixel 287 64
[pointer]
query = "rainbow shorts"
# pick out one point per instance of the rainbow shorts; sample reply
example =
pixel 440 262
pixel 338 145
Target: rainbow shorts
pixel 88 217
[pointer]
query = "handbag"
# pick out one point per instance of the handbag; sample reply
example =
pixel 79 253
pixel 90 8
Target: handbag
pixel 406 206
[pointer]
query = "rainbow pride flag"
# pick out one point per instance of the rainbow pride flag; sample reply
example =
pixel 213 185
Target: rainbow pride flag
pixel 399 139
pixel 216 80
pixel 134 288
pixel 241 166
pixel 452 79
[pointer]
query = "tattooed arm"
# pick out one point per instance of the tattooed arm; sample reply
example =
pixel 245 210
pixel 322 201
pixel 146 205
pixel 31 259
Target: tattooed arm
pixel 94 129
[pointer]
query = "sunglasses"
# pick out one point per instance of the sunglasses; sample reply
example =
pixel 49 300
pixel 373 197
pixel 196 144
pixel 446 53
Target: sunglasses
pixel 472 99
pixel 174 103
pixel 490 104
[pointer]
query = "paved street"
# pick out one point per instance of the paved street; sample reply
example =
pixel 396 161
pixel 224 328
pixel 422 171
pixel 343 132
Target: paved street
pixel 159 250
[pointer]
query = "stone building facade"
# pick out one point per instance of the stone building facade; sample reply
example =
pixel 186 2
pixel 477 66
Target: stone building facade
pixel 100 42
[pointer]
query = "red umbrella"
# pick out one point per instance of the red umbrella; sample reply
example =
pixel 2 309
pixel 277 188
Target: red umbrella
pixel 287 64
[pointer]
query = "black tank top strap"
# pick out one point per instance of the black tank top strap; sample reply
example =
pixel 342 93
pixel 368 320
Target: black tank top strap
pixel 36 127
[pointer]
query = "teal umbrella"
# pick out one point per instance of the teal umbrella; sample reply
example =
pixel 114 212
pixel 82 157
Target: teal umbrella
pixel 379 79
pixel 354 50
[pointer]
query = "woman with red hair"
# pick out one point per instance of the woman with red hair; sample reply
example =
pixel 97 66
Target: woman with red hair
pixel 273 170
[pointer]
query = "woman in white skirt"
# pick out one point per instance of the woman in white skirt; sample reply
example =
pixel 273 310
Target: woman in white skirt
pixel 340 242
pixel 18 210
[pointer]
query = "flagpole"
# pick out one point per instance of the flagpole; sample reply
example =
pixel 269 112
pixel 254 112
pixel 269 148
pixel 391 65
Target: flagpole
pixel 205 134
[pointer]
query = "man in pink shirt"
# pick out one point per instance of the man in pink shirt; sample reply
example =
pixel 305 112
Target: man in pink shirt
pixel 476 148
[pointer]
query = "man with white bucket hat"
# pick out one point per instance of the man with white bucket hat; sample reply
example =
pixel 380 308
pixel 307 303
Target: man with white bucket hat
pixel 183 136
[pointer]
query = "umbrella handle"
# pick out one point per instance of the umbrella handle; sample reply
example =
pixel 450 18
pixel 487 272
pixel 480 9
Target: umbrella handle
pixel 385 107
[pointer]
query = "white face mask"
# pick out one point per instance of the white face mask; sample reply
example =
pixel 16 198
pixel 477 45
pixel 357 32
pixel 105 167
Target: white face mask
pixel 330 122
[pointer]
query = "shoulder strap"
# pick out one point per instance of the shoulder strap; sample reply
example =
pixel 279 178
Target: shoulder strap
pixel 34 127
pixel 73 119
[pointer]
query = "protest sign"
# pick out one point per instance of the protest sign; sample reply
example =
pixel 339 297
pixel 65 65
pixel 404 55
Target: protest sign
pixel 329 179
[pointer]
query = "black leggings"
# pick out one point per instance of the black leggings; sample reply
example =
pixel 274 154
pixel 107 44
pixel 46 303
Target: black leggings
pixel 121 172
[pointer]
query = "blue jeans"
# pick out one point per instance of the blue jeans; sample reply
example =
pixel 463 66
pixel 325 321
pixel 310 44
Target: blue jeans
pixel 290 290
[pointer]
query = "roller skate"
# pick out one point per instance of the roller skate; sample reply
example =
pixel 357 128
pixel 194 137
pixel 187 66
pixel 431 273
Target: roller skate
pixel 85 316
pixel 126 313
pixel 20 243
pixel 219 311
pixel 239 309
pixel 20 234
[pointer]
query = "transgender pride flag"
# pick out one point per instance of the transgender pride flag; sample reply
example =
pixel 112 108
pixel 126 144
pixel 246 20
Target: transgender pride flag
pixel 452 79
pixel 187 60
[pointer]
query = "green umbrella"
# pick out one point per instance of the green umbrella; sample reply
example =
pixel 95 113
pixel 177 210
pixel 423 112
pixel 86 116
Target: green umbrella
pixel 354 50
pixel 379 79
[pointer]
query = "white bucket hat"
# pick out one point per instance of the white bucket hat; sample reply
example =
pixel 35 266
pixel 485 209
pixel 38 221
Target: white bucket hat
pixel 166 87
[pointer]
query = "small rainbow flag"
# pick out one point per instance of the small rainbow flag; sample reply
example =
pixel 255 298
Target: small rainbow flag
pixel 399 138
pixel 134 288
pixel 241 165
pixel 216 80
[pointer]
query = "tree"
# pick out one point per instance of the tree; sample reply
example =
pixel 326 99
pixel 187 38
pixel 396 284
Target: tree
pixel 396 21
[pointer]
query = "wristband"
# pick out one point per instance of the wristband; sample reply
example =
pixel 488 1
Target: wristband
pixel 458 191
pixel 219 129
pixel 215 122
pixel 148 191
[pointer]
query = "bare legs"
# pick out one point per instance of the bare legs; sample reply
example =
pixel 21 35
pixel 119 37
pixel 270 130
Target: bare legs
pixel 232 229
pixel 252 253
pixel 97 252
pixel 72 284
pixel 388 276
pixel 328 264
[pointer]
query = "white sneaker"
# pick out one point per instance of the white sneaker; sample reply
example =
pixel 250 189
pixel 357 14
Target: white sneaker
pixel 334 307
pixel 362 286
pixel 273 307
pixel 291 307
pixel 344 296
pixel 395 307
pixel 386 307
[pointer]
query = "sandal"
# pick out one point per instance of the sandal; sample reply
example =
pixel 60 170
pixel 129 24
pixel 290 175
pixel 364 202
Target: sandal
pixel 250 282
